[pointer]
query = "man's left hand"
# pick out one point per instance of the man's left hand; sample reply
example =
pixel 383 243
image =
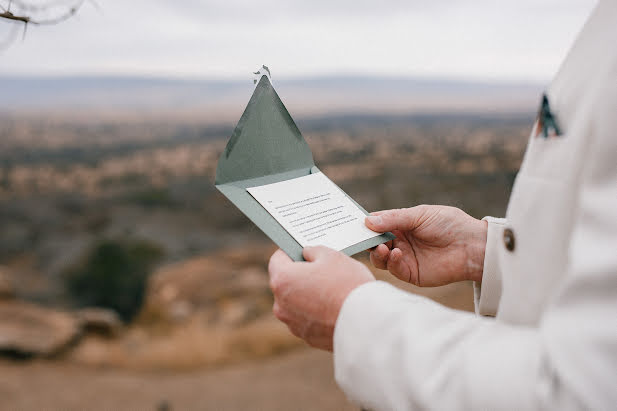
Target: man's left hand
pixel 308 295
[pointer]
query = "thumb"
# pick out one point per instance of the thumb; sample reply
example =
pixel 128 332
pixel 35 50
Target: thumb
pixel 316 252
pixel 403 219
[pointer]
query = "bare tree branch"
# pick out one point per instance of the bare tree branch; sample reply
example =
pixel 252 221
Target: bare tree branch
pixel 72 6
pixel 10 16
pixel 37 12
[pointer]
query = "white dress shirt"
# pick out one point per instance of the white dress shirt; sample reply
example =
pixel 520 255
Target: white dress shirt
pixel 553 341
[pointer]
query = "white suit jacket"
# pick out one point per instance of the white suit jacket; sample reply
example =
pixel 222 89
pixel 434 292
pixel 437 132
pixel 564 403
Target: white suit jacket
pixel 553 341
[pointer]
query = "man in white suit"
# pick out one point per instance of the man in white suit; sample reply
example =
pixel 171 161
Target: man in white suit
pixel 547 273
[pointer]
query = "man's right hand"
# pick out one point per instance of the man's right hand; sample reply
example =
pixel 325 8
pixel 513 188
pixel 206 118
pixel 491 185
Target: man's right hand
pixel 434 245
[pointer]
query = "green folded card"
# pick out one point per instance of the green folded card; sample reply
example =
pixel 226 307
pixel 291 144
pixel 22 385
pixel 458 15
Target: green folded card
pixel 267 147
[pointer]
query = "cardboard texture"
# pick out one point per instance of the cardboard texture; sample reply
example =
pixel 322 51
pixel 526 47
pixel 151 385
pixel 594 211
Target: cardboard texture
pixel 267 147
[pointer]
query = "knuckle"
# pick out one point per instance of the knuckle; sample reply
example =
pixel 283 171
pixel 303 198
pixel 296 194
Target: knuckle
pixel 275 285
pixel 419 209
pixel 278 312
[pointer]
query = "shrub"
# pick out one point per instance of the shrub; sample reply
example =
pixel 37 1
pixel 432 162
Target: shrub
pixel 113 274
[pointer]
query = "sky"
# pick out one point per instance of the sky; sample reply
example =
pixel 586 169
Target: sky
pixel 489 40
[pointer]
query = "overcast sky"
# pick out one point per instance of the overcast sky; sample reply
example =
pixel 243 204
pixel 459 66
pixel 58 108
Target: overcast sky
pixel 483 39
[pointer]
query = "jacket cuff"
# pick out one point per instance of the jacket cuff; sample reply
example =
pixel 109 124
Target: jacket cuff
pixel 487 293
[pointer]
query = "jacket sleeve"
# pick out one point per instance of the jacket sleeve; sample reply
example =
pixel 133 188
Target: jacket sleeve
pixel 487 293
pixel 394 350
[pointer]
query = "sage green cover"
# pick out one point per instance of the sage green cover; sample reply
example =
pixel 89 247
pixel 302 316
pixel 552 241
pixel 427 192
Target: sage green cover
pixel 267 147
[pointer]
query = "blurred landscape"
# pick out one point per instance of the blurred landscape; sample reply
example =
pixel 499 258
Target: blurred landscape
pixel 122 266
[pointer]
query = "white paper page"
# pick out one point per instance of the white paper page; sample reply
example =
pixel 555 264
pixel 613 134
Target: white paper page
pixel 314 211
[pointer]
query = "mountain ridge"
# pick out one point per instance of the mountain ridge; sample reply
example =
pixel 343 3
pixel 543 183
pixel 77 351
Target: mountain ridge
pixel 308 95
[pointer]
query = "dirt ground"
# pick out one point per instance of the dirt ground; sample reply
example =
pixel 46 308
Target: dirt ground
pixel 300 380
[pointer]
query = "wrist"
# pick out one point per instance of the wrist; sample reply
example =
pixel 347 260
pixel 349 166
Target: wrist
pixel 475 250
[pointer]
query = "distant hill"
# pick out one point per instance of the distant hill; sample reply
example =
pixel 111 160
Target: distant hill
pixel 303 96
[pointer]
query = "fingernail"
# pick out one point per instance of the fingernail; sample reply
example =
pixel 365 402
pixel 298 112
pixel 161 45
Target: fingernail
pixel 374 220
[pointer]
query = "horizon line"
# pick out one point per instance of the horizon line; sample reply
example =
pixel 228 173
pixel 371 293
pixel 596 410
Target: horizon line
pixel 292 78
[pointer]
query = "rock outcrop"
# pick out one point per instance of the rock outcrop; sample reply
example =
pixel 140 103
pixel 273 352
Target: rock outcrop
pixel 226 288
pixel 29 330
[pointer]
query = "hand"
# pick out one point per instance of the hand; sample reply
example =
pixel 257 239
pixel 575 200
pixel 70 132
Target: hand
pixel 434 245
pixel 309 295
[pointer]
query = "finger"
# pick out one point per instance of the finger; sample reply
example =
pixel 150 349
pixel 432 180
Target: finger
pixel 379 262
pixel 397 266
pixel 314 253
pixel 383 250
pixel 371 221
pixel 373 214
pixel 399 219
pixel 387 244
pixel 278 261
pixel 379 256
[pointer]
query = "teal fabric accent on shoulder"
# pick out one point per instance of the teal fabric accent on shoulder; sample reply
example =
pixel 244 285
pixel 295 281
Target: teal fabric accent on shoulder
pixel 547 125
